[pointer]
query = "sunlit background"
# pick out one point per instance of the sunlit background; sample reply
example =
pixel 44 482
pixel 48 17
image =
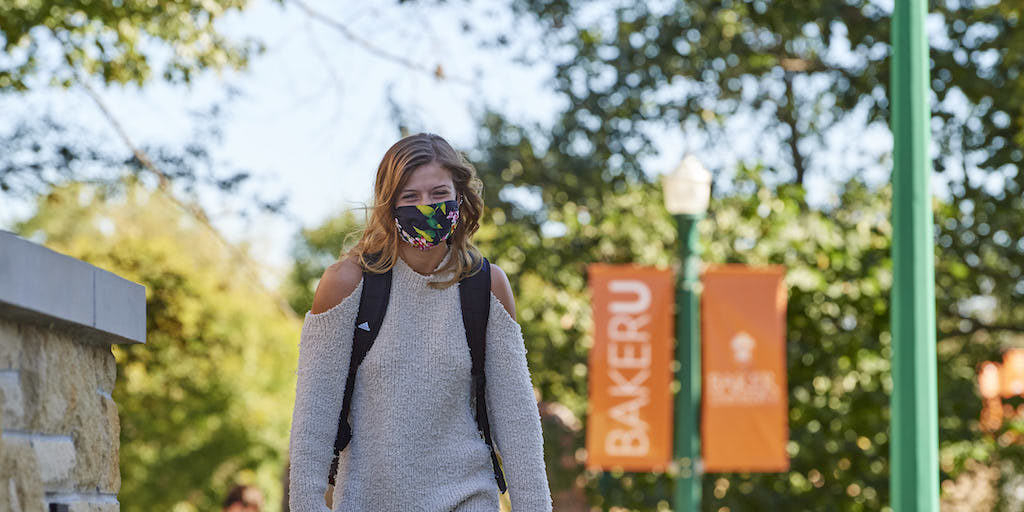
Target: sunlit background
pixel 216 151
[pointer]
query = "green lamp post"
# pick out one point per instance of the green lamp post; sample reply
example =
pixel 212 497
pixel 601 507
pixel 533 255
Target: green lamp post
pixel 687 194
pixel 914 445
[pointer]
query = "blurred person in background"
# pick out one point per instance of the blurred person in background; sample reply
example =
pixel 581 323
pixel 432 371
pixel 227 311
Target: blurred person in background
pixel 244 498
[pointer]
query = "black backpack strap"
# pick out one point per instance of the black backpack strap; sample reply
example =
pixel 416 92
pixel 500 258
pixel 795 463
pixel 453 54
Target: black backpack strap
pixel 475 296
pixel 373 303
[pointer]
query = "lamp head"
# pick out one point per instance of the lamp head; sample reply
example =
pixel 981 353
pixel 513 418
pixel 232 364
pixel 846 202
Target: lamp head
pixel 687 188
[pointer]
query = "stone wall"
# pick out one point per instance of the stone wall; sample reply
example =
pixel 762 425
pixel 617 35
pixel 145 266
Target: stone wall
pixel 59 430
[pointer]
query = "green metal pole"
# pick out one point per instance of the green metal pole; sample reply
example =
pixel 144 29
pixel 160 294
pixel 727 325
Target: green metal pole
pixel 914 450
pixel 687 402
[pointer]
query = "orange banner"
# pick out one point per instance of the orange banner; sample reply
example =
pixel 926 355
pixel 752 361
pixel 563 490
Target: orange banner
pixel 744 420
pixel 629 423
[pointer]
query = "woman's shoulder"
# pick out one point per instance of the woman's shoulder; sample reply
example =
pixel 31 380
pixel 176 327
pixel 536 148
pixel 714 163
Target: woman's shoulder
pixel 339 280
pixel 503 331
pixel 502 289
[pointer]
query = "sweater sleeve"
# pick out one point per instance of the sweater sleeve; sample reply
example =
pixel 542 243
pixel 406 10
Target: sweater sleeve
pixel 514 415
pixel 325 345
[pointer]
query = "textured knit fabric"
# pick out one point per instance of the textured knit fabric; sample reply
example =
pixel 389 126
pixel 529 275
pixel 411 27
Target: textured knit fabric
pixel 415 444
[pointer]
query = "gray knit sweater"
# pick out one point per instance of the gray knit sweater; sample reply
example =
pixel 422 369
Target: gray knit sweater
pixel 415 445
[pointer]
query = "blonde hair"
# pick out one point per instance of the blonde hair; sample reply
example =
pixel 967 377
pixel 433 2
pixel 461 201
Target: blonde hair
pixel 380 235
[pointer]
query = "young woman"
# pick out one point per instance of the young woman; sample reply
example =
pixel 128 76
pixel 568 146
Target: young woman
pixel 415 443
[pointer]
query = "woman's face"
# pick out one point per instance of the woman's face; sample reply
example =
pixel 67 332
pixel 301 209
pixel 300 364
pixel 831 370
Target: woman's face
pixel 428 184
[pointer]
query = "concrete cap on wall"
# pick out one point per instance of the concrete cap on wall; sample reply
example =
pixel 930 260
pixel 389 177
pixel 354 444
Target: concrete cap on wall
pixel 45 287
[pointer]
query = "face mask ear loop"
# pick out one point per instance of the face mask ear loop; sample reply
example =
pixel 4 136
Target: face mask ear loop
pixel 448 241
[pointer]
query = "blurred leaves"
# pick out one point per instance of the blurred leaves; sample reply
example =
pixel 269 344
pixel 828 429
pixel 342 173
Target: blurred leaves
pixel 839 278
pixel 206 402
pixel 313 250
pixel 59 45
pixel 120 42
pixel 47 150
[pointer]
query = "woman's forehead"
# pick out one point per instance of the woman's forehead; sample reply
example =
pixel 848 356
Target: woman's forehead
pixel 427 177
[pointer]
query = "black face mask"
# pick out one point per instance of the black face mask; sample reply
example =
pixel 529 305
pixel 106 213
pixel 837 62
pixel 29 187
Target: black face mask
pixel 426 225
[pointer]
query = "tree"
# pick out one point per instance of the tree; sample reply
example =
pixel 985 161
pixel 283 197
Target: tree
pixel 718 71
pixel 206 402
pixel 76 45
pixel 838 275
pixel 774 65
pixel 115 42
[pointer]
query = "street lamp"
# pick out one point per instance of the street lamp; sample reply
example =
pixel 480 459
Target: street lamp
pixel 687 194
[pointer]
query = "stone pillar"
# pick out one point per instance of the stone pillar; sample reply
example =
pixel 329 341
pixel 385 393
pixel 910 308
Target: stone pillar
pixel 59 430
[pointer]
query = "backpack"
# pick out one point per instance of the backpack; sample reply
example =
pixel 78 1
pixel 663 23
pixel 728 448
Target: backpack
pixel 474 295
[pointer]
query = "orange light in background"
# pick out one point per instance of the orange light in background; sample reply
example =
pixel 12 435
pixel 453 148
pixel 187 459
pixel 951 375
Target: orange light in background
pixel 989 383
pixel 1012 373
pixel 992 414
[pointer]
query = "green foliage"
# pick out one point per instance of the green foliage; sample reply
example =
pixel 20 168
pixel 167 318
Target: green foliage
pixel 839 277
pixel 116 42
pixel 313 251
pixel 791 72
pixel 643 66
pixel 52 45
pixel 206 402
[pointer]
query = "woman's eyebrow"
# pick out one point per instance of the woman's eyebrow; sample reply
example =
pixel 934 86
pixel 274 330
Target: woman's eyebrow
pixel 414 190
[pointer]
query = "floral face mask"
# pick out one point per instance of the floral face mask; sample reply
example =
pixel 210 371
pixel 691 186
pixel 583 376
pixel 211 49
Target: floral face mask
pixel 426 225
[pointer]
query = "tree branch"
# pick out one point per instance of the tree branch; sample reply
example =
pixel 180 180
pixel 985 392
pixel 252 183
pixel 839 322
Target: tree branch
pixel 794 135
pixel 247 264
pixel 437 72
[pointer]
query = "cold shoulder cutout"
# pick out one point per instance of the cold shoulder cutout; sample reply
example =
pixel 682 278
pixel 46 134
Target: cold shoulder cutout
pixel 337 283
pixel 501 288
